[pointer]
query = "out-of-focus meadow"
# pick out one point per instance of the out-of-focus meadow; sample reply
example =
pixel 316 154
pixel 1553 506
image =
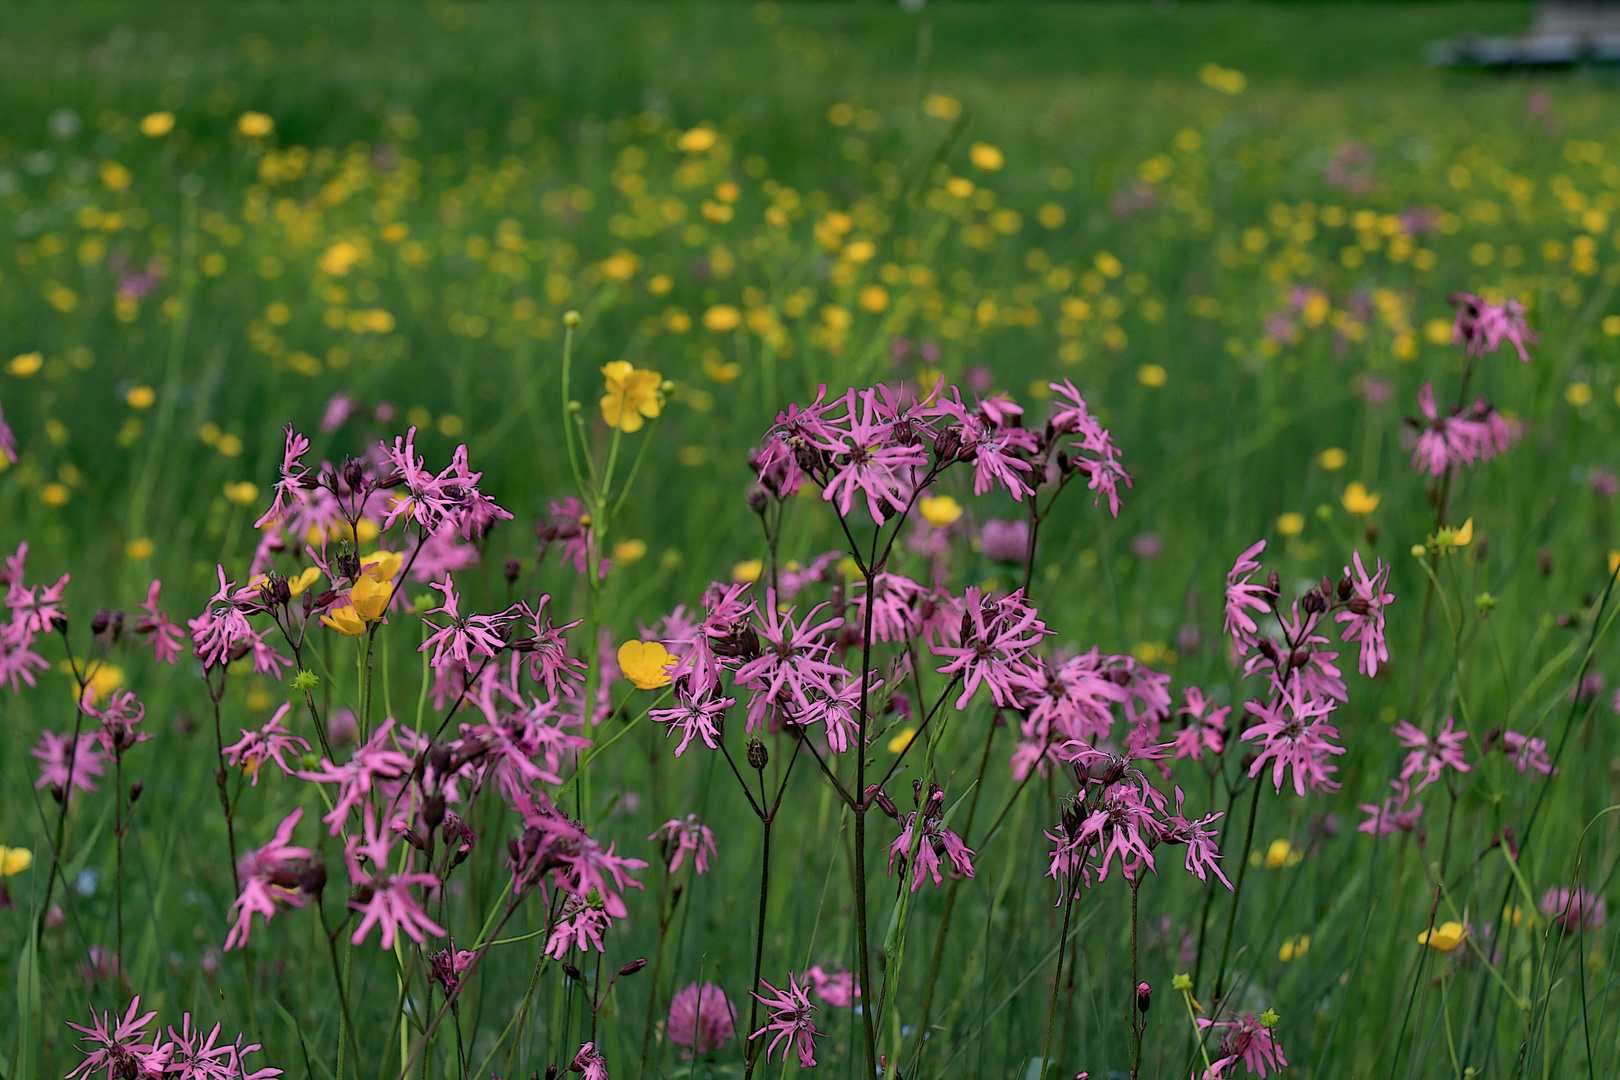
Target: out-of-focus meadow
pixel 1233 227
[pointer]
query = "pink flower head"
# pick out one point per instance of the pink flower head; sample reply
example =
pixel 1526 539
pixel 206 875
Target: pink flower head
pixel 385 898
pixel 1293 734
pixel 448 965
pixel 1202 850
pixel 689 835
pixel 936 840
pixel 996 450
pixel 462 638
pixel 838 710
pixel 1481 327
pixel 1528 753
pixel 269 878
pixel 997 637
pixel 571 525
pixel 792 662
pixel 790 1021
pixel 547 649
pixel 1458 439
pixel 590 1063
pixel 580 929
pixel 1092 447
pixel 376 760
pixel 1206 726
pixel 217 633
pixel 292 490
pixel 163 635
pixel 1397 814
pixel 121 1048
pixel 1430 754
pixel 1245 1039
pixel 1573 911
pixel 118 719
pixel 35 609
pixel 865 458
pixel 426 500
pixel 838 988
pixel 338 409
pixel 19 662
pixel 695 718
pixel 64 765
pixel 1364 613
pixel 701 1019
pixel 1243 596
pixel 273 742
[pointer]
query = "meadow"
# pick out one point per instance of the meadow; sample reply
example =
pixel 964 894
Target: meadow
pixel 961 718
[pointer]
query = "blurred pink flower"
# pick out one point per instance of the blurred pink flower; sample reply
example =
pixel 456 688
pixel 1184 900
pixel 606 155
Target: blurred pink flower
pixel 701 1019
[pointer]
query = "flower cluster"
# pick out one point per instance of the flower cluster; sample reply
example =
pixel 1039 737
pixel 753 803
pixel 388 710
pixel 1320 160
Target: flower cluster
pixel 124 1048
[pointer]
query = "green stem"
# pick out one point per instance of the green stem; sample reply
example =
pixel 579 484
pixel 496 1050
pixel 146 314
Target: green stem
pixel 1237 895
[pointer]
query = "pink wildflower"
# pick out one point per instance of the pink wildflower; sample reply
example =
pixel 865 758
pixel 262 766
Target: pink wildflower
pixel 695 717
pixel 462 638
pixel 1244 596
pixel 1094 450
pixel 221 628
pixel 293 488
pixel 1395 815
pixel 1528 753
pixel 790 1020
pixel 999 636
pixel 269 878
pixel 838 988
pixel 269 743
pixel 1206 726
pixel 591 1064
pixel 689 835
pixel 1364 613
pixel 163 635
pixel 1293 734
pixel 55 752
pixel 1481 327
pixel 1247 1040
pixel 121 1048
pixel 385 897
pixel 1430 754
pixel 1576 910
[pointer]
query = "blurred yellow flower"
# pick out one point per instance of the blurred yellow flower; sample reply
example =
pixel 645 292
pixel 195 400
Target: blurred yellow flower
pixel 26 364
pixel 698 140
pixel 1445 937
pixel 645 663
pixel 1294 948
pixel 620 266
pixel 986 157
pixel 632 393
pixel 156 125
pixel 140 548
pixel 942 107
pixel 628 551
pixel 1333 459
pixel 747 570
pixel 1152 375
pixel 1281 853
pixel 1358 500
pixel 1290 524
pixel 939 510
pixel 255 125
pixel 1226 80
pixel 721 318
pixel 55 494
pixel 339 259
pixel 140 397
pixel 299 582
pixel 242 493
pixel 104 679
pixel 902 739
pixel 1578 394
pixel 14 860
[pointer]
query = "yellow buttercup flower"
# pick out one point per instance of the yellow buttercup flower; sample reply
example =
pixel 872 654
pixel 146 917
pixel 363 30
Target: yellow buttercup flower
pixel 1290 524
pixel 747 570
pixel 14 860
pixel 632 393
pixel 902 740
pixel 104 679
pixel 1445 937
pixel 1358 500
pixel 986 157
pixel 1333 458
pixel 345 620
pixel 297 585
pixel 939 510
pixel 382 565
pixel 645 663
pixel 156 125
pixel 370 597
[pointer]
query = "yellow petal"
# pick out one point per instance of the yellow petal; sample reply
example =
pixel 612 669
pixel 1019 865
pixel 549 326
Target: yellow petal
pixel 14 860
pixel 1464 534
pixel 297 585
pixel 370 597
pixel 382 565
pixel 344 620
pixel 939 511
pixel 645 663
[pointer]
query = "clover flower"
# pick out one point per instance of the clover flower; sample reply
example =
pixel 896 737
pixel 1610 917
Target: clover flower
pixel 701 1019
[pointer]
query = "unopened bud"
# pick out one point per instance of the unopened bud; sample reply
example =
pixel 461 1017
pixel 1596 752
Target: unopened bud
pixel 1359 605
pixel 56 792
pixel 1274 583
pixel 312 879
pixel 570 319
pixel 514 567
pixel 947 445
pixel 135 793
pixel 759 500
pixel 633 966
pixel 573 973
pixel 1144 997
pixel 758 756
pixel 1313 601
pixel 433 810
pixel 1344 588
pixel 881 799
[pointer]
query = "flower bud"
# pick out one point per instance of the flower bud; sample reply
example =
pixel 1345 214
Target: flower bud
pixel 1359 606
pixel 947 445
pixel 433 810
pixel 1344 588
pixel 633 966
pixel 56 792
pixel 759 500
pixel 354 474
pixel 513 567
pixel 312 879
pixel 1313 601
pixel 135 793
pixel 1144 997
pixel 881 800
pixel 758 756
pixel 1274 583
pixel 570 319
pixel 573 973
pixel 1299 657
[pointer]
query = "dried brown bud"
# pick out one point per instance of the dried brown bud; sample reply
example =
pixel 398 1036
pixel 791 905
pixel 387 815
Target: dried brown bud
pixel 573 973
pixel 633 966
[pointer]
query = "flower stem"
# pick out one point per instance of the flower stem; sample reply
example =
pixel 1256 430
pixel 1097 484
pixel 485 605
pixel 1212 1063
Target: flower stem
pixel 1057 982
pixel 751 1048
pixel 1237 895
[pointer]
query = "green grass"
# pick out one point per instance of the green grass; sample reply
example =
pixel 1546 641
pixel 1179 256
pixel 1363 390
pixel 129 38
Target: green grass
pixel 473 125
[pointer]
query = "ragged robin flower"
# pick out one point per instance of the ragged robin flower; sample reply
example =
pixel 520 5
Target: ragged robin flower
pixel 632 394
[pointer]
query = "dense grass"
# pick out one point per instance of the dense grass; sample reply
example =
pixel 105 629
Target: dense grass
pixel 1157 223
